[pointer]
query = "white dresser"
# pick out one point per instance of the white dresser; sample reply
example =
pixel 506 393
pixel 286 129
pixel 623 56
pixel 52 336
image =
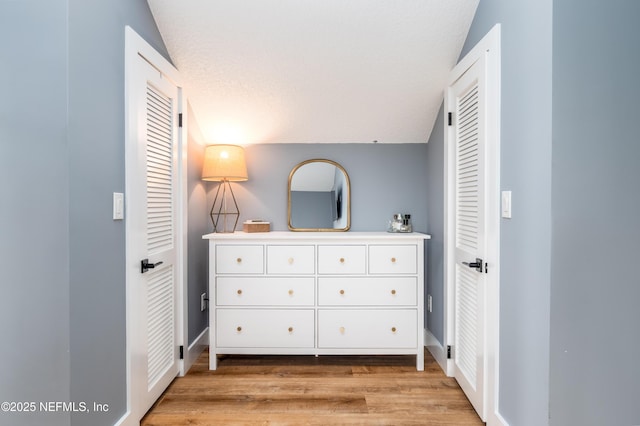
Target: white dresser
pixel 316 294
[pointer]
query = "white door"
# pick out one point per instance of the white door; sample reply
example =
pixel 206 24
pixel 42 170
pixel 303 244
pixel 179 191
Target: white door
pixel 151 233
pixel 472 225
pixel 467 106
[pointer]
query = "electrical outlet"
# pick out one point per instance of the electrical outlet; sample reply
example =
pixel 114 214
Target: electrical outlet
pixel 429 303
pixel 203 302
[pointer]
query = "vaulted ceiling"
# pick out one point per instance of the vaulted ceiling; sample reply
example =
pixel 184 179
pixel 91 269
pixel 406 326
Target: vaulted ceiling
pixel 314 71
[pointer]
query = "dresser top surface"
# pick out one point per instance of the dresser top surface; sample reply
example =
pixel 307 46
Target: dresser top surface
pixel 316 236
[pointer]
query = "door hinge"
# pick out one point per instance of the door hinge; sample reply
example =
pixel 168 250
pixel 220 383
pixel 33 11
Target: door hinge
pixel 181 352
pixel 180 120
pixel 450 118
pixel 448 351
pixel 486 268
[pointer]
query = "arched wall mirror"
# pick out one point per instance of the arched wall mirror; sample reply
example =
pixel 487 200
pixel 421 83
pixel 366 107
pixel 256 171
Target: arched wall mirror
pixel 319 197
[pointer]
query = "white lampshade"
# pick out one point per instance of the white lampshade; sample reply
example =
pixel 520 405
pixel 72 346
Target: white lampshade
pixel 224 162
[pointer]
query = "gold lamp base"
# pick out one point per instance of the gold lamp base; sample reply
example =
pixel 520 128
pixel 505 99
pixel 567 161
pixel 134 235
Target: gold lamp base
pixel 225 209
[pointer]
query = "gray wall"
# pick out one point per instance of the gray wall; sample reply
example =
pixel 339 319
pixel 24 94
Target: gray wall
pixel 312 209
pixel 385 179
pixel 435 211
pixel 34 208
pixel 595 289
pixel 63 311
pixel 96 166
pixel 525 239
pixel 198 225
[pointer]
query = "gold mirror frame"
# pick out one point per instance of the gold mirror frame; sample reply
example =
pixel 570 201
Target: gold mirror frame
pixel 346 204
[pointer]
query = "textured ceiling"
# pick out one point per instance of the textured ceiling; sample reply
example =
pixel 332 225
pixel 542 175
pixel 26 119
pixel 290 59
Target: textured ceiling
pixel 314 71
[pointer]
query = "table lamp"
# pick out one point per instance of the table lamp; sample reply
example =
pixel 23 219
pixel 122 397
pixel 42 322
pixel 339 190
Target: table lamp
pixel 224 164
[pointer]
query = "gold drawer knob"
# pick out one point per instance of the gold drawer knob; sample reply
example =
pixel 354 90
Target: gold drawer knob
pixel 393 260
pixel 393 292
pixel 341 330
pixel 290 260
pixel 393 329
pixel 239 260
pixel 239 291
pixel 239 329
pixel 290 329
pixel 341 291
pixel 290 292
pixel 342 260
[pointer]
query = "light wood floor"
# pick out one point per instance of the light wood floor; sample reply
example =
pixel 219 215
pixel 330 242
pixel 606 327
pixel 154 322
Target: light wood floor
pixel 308 390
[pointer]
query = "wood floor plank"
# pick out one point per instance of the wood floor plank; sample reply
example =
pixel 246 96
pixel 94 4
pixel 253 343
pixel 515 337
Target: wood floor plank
pixel 304 390
pixel 293 389
pixel 302 419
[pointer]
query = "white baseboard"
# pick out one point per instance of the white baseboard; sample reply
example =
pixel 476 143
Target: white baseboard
pixel 501 421
pixel 436 350
pixel 495 419
pixel 126 420
pixel 195 349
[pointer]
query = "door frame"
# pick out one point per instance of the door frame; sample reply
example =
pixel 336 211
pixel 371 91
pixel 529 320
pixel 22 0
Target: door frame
pixel 489 47
pixel 136 48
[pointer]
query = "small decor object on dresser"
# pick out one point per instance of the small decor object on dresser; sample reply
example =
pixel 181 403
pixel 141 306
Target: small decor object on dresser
pixel 256 225
pixel 400 223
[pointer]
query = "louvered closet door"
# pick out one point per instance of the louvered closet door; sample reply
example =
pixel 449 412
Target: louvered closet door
pixel 161 225
pixel 469 121
pixel 153 212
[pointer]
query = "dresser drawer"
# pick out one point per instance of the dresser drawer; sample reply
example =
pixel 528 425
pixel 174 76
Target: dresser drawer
pixel 362 329
pixel 232 259
pixel 393 259
pixel 265 328
pixel 290 260
pixel 341 259
pixel 356 291
pixel 263 291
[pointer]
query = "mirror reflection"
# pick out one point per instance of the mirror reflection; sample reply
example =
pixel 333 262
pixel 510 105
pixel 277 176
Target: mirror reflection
pixel 319 197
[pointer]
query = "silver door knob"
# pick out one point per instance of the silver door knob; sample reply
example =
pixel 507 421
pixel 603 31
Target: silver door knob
pixel 477 265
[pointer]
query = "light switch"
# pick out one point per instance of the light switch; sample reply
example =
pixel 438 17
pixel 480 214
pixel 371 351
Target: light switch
pixel 506 204
pixel 118 206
